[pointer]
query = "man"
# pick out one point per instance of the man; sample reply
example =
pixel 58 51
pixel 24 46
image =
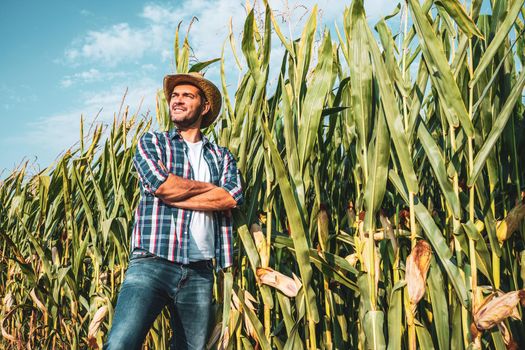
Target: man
pixel 188 186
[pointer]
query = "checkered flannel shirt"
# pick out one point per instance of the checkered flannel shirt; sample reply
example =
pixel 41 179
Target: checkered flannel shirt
pixel 163 230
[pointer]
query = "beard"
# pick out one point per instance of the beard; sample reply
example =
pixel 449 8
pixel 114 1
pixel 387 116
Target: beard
pixel 188 121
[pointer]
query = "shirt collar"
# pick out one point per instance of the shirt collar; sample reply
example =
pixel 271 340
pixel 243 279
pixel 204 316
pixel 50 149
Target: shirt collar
pixel 174 133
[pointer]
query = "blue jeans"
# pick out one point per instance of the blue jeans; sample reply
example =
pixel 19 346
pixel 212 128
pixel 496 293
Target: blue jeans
pixel 152 283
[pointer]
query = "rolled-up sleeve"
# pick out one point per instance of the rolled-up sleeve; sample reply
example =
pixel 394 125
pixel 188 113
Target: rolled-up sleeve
pixel 231 177
pixel 146 161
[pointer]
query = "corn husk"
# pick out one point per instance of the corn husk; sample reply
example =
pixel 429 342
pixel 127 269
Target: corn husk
pixel 55 257
pixel 480 225
pixel 417 265
pixel 352 259
pixel 507 337
pixel 260 244
pixel 288 286
pixel 496 308
pixel 506 227
pixel 94 326
pixel 322 228
pixel 350 213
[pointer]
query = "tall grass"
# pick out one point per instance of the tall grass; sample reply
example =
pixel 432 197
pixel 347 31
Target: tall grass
pixel 386 175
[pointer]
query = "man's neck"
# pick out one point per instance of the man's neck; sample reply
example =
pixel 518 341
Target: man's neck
pixel 191 135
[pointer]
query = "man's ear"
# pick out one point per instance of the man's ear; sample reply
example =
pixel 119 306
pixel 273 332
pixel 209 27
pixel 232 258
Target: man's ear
pixel 206 108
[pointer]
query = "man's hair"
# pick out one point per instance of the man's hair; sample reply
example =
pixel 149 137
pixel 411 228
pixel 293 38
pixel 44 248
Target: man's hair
pixel 203 97
pixel 201 93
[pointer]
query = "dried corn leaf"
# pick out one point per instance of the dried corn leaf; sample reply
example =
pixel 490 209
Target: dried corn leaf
pixel 8 302
pixel 215 335
pixel 37 301
pixel 5 333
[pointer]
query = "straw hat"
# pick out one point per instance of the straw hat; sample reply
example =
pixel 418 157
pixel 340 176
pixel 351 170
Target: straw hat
pixel 212 93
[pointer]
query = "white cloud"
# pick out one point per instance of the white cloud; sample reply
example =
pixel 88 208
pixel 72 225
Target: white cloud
pixel 90 76
pixel 148 67
pixel 66 82
pixel 60 131
pixel 119 42
pixel 124 42
pixel 157 13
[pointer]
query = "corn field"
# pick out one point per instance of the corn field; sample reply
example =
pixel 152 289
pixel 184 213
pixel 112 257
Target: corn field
pixel 383 183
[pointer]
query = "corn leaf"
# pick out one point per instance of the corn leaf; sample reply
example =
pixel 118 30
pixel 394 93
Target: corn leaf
pixel 440 72
pixel 497 129
pixel 314 101
pixel 393 116
pixel 501 36
pixel 297 225
pixel 373 324
pixel 436 160
pixel 457 11
pixel 439 302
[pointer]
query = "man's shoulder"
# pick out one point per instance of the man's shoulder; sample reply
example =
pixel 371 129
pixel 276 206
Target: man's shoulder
pixel 158 133
pixel 220 151
pixel 155 136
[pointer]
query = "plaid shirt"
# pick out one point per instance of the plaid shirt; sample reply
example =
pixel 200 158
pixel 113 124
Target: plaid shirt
pixel 163 230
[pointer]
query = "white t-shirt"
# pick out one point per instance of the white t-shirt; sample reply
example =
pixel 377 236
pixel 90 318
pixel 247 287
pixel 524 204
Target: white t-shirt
pixel 202 240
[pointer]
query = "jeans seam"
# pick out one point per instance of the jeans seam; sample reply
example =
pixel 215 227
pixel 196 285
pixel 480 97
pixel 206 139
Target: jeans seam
pixel 183 278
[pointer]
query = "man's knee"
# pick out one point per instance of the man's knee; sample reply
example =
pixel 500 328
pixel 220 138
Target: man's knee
pixel 120 338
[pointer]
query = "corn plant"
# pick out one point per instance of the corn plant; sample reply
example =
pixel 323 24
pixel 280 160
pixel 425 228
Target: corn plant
pixel 384 193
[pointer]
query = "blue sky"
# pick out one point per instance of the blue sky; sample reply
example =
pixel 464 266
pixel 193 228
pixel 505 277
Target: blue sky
pixel 64 59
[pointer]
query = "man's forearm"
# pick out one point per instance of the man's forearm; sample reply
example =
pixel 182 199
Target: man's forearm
pixel 177 188
pixel 213 200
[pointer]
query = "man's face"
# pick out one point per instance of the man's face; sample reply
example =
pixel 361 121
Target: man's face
pixel 187 106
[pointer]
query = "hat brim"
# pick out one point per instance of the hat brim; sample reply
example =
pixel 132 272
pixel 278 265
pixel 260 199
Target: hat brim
pixel 212 93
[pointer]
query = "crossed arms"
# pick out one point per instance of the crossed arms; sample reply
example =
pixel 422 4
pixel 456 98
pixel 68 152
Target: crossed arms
pixel 184 193
pixel 195 195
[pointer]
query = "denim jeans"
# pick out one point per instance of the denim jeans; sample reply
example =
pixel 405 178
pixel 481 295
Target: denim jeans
pixel 150 284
